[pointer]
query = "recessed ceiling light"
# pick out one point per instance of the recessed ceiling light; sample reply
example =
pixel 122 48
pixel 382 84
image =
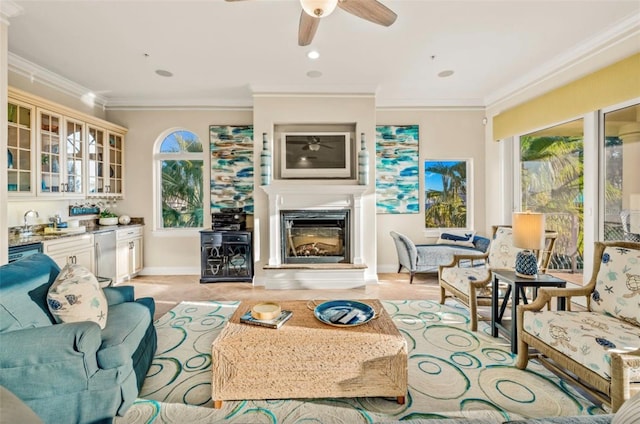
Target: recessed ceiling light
pixel 313 54
pixel 314 74
pixel 445 74
pixel 91 95
pixel 163 73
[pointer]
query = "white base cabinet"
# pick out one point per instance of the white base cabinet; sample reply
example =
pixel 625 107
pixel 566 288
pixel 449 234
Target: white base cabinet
pixel 72 250
pixel 129 250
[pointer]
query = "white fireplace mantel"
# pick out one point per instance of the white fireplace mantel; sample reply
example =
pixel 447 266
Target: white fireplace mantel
pixel 313 195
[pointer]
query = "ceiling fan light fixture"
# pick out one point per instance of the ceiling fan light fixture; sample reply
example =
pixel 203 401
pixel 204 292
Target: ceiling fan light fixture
pixel 318 8
pixel 314 147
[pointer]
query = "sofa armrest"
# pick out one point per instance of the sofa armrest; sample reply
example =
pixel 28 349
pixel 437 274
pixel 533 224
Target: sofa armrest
pixel 119 294
pixel 34 361
pixel 149 303
pixel 49 344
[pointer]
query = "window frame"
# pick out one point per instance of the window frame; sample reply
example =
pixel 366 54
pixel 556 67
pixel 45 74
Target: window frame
pixel 158 158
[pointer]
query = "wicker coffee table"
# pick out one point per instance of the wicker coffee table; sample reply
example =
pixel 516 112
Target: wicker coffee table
pixel 306 358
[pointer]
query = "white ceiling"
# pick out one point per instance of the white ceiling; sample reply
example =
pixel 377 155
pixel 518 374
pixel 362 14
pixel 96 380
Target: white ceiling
pixel 220 53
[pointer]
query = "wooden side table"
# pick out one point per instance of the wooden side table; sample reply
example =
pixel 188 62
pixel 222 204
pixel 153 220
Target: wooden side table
pixel 516 290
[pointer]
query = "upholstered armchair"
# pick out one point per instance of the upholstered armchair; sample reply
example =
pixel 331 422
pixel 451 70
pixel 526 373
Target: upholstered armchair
pixel 597 348
pixel 470 283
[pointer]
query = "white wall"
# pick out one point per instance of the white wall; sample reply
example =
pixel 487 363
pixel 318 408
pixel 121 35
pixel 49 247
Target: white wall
pixel 444 134
pixel 165 252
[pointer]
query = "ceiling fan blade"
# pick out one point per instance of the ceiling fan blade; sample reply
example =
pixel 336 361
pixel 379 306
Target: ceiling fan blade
pixel 307 29
pixel 371 10
pixel 326 146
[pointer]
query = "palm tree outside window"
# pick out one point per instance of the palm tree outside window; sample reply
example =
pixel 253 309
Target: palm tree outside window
pixel 552 182
pixel 180 161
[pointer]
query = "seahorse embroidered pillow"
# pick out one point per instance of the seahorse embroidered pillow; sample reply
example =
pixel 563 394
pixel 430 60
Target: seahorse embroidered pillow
pixel 617 289
pixel 76 296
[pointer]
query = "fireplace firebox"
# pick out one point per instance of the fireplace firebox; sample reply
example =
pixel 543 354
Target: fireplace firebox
pixel 315 236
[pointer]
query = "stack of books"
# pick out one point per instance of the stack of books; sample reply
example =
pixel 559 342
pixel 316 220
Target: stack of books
pixel 277 322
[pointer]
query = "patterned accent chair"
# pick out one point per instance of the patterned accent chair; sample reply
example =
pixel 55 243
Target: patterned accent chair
pixel 598 348
pixel 471 284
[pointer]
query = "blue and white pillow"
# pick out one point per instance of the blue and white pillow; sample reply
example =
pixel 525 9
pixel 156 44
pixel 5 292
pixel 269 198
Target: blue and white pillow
pixel 76 296
pixel 457 239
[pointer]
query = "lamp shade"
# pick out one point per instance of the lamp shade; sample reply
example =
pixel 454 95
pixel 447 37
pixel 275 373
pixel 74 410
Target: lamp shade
pixel 318 8
pixel 528 230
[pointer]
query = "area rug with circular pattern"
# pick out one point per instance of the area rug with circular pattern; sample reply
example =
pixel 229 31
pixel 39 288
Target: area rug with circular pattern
pixel 453 373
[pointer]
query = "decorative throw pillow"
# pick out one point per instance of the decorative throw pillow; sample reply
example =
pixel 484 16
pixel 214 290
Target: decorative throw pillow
pixel 463 239
pixel 76 296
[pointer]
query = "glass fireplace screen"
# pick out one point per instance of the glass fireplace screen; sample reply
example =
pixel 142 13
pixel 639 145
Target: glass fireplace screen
pixel 315 236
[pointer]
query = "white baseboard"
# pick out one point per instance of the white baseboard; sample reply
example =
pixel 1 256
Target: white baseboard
pixel 170 271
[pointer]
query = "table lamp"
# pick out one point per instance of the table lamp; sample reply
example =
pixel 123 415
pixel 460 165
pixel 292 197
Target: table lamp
pixel 528 234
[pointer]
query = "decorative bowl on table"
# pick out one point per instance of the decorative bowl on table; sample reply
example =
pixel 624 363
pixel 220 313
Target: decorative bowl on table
pixel 108 221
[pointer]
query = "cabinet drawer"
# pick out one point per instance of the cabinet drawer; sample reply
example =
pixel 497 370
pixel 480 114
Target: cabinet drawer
pixel 211 238
pixel 123 234
pixel 68 243
pixel 235 238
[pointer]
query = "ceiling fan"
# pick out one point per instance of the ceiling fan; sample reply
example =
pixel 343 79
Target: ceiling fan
pixel 314 10
pixel 312 143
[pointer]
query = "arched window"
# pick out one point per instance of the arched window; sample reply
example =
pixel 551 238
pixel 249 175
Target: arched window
pixel 179 162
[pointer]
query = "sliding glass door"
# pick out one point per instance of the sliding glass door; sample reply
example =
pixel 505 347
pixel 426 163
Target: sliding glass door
pixel 551 181
pixel 620 185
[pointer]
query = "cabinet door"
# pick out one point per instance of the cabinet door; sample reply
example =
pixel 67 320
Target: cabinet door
pixel 96 161
pixel 74 157
pixel 238 260
pixel 85 258
pixel 62 258
pixel 50 150
pixel 20 148
pixel 115 175
pixel 136 256
pixel 123 254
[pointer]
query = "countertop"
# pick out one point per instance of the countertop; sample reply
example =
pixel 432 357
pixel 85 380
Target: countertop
pixel 38 237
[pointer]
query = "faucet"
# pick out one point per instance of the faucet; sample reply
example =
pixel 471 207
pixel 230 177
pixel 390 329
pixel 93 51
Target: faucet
pixel 27 214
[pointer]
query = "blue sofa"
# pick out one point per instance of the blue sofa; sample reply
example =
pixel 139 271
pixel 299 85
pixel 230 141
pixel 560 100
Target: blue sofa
pixel 71 372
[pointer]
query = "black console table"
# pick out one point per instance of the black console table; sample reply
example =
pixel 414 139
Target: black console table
pixel 226 256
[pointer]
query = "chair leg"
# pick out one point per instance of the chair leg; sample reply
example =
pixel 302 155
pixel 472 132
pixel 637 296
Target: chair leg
pixel 399 268
pixel 443 295
pixel 473 309
pixel 411 278
pixel 523 354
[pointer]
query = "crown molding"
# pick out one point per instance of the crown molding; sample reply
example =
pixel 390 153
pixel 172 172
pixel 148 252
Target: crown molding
pixel 37 73
pixel 8 10
pixel 623 38
pixel 181 104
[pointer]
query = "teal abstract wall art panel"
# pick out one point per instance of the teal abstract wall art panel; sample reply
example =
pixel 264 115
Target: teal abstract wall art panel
pixel 397 169
pixel 445 185
pixel 231 167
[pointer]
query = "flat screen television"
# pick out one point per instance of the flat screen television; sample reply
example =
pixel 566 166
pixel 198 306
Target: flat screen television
pixel 315 155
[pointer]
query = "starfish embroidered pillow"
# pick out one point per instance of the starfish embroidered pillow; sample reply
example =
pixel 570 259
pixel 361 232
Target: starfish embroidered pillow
pixel 76 296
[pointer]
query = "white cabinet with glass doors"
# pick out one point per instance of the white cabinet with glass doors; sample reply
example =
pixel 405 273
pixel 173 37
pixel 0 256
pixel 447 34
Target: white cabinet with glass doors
pixel 57 152
pixel 61 147
pixel 105 163
pixel 20 148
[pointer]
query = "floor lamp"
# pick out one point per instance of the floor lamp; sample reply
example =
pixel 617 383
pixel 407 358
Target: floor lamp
pixel 528 234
